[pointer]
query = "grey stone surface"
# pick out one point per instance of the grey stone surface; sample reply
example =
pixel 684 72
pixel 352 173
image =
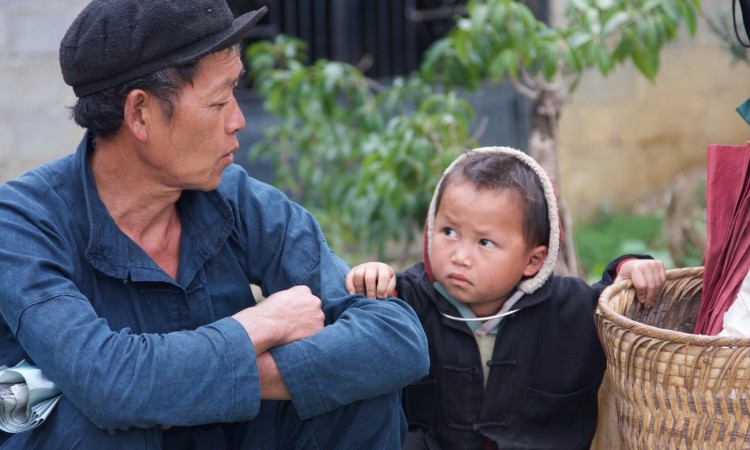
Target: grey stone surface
pixel 34 122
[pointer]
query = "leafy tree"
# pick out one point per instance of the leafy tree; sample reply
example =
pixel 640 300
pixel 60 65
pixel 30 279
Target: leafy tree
pixel 362 156
pixel 501 40
pixel 366 157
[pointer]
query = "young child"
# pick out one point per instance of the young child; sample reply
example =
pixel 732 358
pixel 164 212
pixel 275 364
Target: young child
pixel 515 361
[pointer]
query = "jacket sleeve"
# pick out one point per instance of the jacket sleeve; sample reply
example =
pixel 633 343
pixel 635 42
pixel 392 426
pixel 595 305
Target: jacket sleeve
pixel 367 348
pixel 117 379
pixel 610 272
pixel 410 288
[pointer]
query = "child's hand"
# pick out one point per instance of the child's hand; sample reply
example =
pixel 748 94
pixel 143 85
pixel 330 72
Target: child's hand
pixel 648 276
pixel 374 279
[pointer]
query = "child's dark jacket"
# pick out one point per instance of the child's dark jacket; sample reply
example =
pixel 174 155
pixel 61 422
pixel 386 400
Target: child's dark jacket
pixel 544 376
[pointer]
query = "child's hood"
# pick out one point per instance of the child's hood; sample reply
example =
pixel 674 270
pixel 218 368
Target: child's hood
pixel 528 285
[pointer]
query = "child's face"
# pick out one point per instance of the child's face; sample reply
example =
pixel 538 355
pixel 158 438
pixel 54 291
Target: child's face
pixel 479 253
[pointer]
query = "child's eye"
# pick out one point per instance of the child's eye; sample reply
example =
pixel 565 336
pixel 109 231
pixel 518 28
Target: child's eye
pixel 450 232
pixel 487 243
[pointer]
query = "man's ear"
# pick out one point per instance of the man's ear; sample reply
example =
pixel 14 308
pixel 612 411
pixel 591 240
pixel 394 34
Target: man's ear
pixel 138 111
pixel 537 255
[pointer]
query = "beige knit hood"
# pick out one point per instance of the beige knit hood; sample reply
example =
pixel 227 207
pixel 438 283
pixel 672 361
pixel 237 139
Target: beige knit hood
pixel 529 285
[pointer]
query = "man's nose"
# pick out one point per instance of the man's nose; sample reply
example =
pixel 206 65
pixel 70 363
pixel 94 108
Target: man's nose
pixel 236 121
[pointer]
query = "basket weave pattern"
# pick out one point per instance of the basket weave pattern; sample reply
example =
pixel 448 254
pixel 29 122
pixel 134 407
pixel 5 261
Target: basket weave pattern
pixel 673 389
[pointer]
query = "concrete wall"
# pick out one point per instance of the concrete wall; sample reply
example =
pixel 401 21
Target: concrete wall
pixel 34 124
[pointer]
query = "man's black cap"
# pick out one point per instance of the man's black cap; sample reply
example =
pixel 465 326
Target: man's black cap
pixel 114 41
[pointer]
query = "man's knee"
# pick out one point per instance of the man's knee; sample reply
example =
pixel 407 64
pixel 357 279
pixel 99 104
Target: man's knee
pixel 376 423
pixel 373 423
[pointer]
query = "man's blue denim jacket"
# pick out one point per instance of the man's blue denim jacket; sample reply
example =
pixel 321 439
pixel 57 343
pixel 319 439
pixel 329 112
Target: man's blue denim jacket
pixel 129 346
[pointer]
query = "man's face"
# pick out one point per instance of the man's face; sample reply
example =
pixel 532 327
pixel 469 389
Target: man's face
pixel 192 150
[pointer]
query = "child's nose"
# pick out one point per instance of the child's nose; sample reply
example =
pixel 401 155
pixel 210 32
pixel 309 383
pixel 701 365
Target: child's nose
pixel 461 255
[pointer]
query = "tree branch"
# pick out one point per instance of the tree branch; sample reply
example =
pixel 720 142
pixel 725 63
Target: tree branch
pixel 481 128
pixel 523 89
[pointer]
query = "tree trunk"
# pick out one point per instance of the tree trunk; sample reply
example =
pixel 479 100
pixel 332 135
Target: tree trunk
pixel 547 107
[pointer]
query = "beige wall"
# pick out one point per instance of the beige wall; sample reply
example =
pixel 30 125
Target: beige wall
pixel 624 137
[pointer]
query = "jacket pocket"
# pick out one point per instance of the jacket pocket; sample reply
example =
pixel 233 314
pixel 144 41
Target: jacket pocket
pixel 421 405
pixel 553 420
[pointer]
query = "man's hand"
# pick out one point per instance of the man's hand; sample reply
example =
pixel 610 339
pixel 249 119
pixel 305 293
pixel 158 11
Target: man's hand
pixel 373 279
pixel 648 277
pixel 272 386
pixel 281 318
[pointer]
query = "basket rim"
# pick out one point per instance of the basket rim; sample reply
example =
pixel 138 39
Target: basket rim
pixel 607 312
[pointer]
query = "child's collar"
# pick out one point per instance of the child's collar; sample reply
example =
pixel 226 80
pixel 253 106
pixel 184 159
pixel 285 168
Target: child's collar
pixel 479 325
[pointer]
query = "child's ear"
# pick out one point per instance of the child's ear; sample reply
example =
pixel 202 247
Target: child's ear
pixel 537 255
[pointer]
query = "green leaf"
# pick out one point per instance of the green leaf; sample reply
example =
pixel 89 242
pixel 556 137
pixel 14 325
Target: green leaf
pixel 671 11
pixel 615 22
pixel 689 14
pixel 651 36
pixel 479 16
pixel 592 17
pixel 652 4
pixel 572 59
pixel 604 60
pixel 647 62
pixel 576 40
pixel 580 5
pixel 498 15
pixel 640 26
pixel 517 32
pixel 463 46
pixel 527 17
pixel 549 69
pixel 623 50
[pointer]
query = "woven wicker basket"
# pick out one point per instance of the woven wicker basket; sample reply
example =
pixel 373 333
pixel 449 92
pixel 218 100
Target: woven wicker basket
pixel 673 389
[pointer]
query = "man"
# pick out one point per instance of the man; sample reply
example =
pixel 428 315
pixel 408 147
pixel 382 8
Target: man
pixel 127 266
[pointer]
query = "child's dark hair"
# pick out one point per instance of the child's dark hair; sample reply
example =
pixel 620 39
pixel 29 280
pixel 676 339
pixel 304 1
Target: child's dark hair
pixel 500 171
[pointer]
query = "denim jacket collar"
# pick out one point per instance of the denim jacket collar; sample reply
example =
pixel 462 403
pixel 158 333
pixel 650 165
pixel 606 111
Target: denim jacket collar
pixel 205 228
